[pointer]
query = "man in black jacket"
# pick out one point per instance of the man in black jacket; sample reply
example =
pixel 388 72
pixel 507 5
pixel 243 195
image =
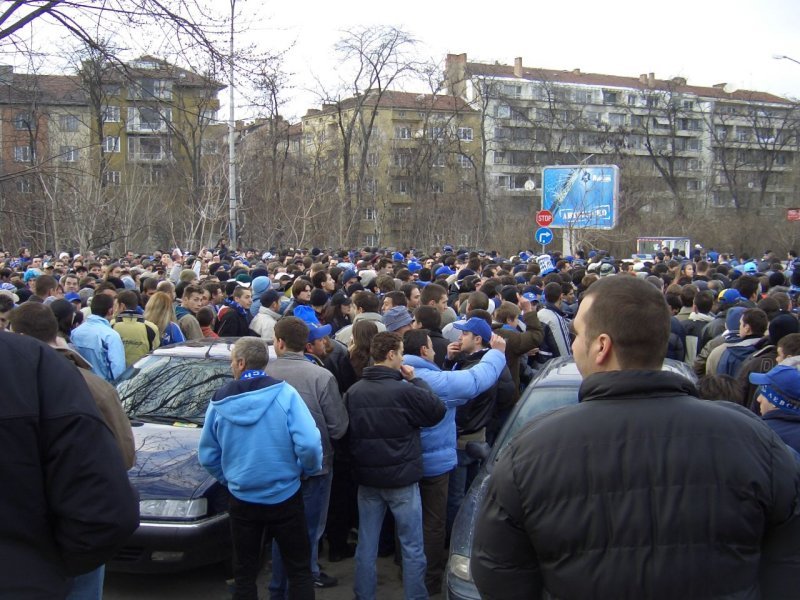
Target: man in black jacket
pixel 387 407
pixel 67 504
pixel 641 490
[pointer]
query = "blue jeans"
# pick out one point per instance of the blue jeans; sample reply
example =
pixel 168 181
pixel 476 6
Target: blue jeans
pixel 316 495
pixel 460 479
pixel 406 507
pixel 88 586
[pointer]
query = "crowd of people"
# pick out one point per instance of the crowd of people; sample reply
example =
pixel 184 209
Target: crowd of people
pixel 388 364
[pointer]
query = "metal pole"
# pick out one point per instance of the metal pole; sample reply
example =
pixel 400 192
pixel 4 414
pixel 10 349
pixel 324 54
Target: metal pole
pixel 232 146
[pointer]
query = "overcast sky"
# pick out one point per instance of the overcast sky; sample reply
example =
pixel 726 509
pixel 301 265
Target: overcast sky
pixel 705 41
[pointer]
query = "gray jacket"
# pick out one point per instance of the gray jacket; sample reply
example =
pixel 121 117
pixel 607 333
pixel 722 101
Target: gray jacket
pixel 318 388
pixel 264 323
pixel 345 334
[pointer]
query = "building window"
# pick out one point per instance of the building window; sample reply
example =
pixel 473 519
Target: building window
pixel 609 97
pixel 437 187
pixel 401 159
pixel 23 154
pixel 111 114
pixel 512 91
pixel 152 175
pixel 584 96
pixel 371 186
pixel 68 154
pixel 616 119
pixel 370 213
pixel 24 185
pixel 209 147
pixel 145 118
pixel 112 178
pixel 402 133
pixel 743 134
pixel 436 133
pixel 439 160
pixel 402 187
pixel 145 148
pixel 370 239
pixel 111 89
pixel 631 99
pixel 693 144
pixel 464 161
pixel 502 111
pixel 500 158
pixel 148 88
pixel 111 143
pixel 372 159
pixel 688 105
pixel 465 134
pixel 23 121
pixel 68 122
pixel 693 185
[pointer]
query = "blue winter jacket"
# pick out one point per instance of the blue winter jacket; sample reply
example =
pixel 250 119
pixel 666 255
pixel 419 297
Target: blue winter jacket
pixel 258 439
pixel 101 346
pixel 786 425
pixel 454 388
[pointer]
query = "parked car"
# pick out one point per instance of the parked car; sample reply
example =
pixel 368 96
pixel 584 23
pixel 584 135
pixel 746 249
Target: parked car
pixel 184 519
pixel 555 387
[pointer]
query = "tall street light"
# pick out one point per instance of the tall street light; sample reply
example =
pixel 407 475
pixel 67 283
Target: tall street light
pixel 231 147
pixel 784 57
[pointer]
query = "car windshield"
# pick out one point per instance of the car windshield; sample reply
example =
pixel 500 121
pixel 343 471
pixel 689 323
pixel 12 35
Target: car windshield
pixel 172 387
pixel 537 401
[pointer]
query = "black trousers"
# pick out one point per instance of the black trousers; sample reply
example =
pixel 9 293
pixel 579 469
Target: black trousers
pixel 253 526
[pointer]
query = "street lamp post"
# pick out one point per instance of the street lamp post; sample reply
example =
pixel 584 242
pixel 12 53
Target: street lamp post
pixel 232 146
pixel 784 57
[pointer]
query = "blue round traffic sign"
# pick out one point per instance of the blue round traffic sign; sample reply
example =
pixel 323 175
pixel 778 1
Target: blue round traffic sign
pixel 543 236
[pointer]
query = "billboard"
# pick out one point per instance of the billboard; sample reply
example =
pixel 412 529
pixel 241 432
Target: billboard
pixel 581 197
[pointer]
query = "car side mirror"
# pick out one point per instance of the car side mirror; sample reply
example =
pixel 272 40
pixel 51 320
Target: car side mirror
pixel 478 450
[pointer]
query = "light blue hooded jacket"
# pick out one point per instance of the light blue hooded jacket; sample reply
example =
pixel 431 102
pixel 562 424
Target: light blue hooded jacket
pixel 454 388
pixel 258 439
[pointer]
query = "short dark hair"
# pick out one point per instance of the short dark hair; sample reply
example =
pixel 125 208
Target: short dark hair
pixel 688 293
pixel 478 300
pixel 719 387
pixel 398 298
pixel 35 320
pixel 44 285
pixel 413 340
pixel 129 299
pixel 367 301
pixel 506 311
pixel 757 320
pixel 299 285
pixel 191 289
pixel 635 315
pixel 428 316
pixel 383 343
pixel 407 288
pixel 205 316
pixel 552 292
pixel 704 301
pixel 747 285
pixel 239 291
pixel 293 331
pixel 432 293
pixel 101 304
pixel 790 344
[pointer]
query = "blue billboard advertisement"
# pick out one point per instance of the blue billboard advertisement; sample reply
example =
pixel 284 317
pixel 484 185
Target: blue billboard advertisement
pixel 581 197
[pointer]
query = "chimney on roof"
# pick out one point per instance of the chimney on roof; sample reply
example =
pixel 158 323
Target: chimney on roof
pixel 651 79
pixel 725 87
pixel 679 80
pixel 312 111
pixel 327 106
pixel 576 71
pixel 518 67
pixel 643 78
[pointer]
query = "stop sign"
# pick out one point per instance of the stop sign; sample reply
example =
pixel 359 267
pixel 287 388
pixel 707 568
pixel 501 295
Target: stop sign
pixel 544 218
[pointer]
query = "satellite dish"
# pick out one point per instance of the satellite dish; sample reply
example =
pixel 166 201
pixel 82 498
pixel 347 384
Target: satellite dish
pixel 530 185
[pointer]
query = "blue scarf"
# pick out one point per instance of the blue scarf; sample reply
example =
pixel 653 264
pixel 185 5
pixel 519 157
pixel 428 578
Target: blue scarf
pixel 235 306
pixel 252 374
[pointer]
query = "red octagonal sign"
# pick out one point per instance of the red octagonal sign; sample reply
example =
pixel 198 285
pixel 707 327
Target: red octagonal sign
pixel 544 218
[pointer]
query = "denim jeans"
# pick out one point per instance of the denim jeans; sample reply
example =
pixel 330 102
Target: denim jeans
pixel 88 586
pixel 316 494
pixel 460 479
pixel 251 524
pixel 406 507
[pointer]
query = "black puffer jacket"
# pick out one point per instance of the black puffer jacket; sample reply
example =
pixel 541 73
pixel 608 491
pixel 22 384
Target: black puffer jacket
pixel 66 504
pixel 641 491
pixel 386 413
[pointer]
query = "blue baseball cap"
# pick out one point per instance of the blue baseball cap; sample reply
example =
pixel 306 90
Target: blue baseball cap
pixel 476 326
pixel 444 271
pixel 72 297
pixel 780 386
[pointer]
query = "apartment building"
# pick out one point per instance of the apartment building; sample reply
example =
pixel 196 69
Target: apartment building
pixel 681 148
pixel 412 165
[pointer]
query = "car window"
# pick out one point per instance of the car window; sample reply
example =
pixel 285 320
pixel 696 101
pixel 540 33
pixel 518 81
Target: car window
pixel 172 386
pixel 538 401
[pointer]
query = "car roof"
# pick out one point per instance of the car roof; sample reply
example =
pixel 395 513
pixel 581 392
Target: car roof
pixel 563 371
pixel 213 348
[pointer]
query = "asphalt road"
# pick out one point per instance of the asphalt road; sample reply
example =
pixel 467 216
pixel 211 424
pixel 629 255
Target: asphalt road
pixel 209 583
